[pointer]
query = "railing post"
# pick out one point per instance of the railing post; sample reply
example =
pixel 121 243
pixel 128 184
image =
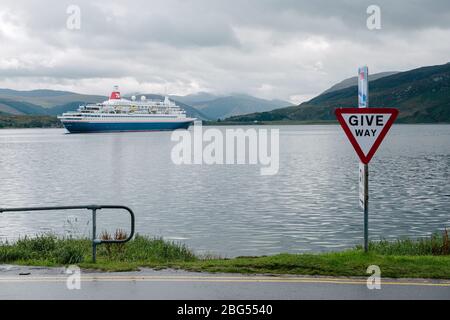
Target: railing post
pixel 94 232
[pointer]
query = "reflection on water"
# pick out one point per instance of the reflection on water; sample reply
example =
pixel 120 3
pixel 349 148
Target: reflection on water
pixel 310 205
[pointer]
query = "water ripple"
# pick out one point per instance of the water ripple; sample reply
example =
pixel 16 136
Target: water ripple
pixel 311 205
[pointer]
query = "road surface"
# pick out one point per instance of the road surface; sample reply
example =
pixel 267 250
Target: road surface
pixel 51 283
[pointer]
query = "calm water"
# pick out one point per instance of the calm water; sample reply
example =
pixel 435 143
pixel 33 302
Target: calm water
pixel 310 205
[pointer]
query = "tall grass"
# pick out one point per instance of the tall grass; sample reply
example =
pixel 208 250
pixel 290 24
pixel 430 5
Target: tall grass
pixel 144 248
pixel 46 247
pixel 50 249
pixel 436 245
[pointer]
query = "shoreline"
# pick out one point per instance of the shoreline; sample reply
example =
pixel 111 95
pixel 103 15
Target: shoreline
pixel 421 258
pixel 243 124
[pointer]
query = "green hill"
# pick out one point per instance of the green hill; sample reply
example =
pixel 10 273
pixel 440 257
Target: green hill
pixel 20 107
pixel 422 95
pixel 228 106
pixel 353 81
pixel 222 106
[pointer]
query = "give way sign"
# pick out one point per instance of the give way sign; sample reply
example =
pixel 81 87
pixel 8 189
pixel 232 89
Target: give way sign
pixel 366 128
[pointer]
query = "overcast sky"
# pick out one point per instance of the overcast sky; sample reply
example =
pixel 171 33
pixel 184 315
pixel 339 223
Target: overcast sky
pixel 285 49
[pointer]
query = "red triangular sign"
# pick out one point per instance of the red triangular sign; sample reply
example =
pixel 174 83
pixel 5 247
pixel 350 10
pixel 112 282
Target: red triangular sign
pixel 366 128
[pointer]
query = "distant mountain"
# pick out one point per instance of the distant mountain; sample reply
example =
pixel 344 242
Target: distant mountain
pixel 48 98
pixel 353 81
pixel 422 95
pixel 10 106
pixel 34 93
pixel 196 98
pixel 220 107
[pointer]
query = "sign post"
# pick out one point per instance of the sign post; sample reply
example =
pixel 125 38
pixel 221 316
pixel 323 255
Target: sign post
pixel 364 199
pixel 365 128
pixel 363 102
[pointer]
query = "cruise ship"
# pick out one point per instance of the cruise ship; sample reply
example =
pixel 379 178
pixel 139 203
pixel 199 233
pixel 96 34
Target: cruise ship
pixel 118 114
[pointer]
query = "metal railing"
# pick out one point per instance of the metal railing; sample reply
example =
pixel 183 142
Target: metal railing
pixel 93 208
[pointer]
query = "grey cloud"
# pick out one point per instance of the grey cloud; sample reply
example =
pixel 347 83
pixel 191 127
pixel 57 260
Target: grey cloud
pixel 271 48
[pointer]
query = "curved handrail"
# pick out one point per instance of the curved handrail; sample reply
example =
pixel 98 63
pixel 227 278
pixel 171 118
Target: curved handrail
pixel 94 209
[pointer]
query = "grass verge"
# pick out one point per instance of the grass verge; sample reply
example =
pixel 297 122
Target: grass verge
pixel 424 258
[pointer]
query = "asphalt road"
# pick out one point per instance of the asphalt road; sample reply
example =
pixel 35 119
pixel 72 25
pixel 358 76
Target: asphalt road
pixel 51 283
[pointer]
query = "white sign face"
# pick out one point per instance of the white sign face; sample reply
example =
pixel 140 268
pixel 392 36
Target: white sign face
pixel 366 128
pixel 362 182
pixel 363 87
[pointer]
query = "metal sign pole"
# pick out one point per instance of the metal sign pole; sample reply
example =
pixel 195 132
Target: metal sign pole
pixel 366 208
pixel 363 102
